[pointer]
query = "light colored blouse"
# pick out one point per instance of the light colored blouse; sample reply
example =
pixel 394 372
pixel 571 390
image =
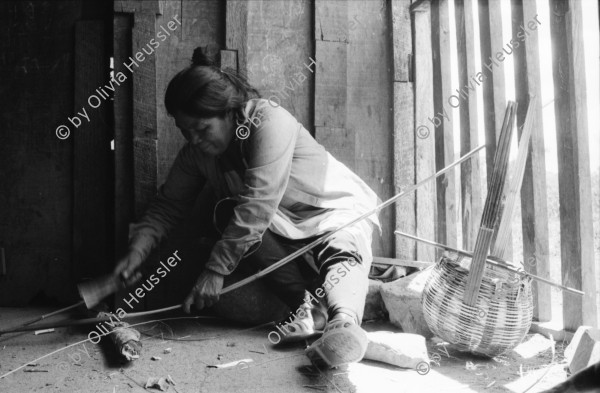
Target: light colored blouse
pixel 284 181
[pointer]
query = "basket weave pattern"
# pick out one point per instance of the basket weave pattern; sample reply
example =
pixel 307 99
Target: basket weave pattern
pixel 498 322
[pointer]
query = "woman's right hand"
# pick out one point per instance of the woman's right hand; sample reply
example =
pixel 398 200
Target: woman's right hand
pixel 127 267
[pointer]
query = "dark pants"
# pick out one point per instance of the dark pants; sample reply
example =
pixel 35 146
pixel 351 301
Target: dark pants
pixel 335 265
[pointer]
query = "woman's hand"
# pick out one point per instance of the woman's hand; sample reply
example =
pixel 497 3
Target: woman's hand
pixel 127 267
pixel 206 291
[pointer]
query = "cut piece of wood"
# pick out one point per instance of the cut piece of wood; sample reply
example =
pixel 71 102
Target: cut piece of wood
pixel 442 123
pixel 339 142
pixel 579 268
pixel 534 212
pixel 424 141
pixel 470 187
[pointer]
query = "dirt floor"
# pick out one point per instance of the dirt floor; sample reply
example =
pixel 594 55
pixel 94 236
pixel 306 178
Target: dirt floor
pixel 196 344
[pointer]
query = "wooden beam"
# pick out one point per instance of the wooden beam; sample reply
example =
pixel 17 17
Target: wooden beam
pixel 404 126
pixel 471 203
pixel 424 141
pixel 534 211
pixel 579 270
pixel 442 123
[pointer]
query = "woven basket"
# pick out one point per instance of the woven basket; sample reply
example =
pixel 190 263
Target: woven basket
pixel 499 320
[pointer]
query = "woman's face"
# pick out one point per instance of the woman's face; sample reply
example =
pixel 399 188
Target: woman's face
pixel 210 135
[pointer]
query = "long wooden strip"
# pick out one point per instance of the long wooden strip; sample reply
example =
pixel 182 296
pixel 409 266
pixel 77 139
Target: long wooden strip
pixel 534 212
pixel 492 204
pixel 502 235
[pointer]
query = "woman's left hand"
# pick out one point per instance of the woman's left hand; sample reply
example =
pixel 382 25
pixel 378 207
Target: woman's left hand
pixel 206 291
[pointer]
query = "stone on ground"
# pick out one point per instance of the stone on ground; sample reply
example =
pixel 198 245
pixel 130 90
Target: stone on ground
pixel 398 349
pixel 587 352
pixel 402 299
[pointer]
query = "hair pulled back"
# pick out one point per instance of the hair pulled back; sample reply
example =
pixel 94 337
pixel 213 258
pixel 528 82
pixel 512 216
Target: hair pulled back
pixel 204 90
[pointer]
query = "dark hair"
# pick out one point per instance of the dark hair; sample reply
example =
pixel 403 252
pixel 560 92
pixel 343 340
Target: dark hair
pixel 204 90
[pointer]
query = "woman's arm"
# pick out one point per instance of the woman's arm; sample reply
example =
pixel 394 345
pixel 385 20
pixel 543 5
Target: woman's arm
pixel 269 151
pixel 175 198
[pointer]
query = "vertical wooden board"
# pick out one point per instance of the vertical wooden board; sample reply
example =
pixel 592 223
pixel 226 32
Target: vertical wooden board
pixel 331 21
pixel 340 142
pixel 424 142
pixel 442 123
pixel 404 166
pixel 401 40
pixel 236 27
pixel 370 97
pixel 330 84
pixel 279 48
pixel 534 212
pixel 471 201
pixel 404 125
pixel 573 163
pixel 92 180
pixel 123 125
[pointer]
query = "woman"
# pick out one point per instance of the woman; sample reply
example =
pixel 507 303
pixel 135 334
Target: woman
pixel 288 191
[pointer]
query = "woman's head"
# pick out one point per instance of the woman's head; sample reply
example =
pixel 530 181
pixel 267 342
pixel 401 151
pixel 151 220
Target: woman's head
pixel 206 101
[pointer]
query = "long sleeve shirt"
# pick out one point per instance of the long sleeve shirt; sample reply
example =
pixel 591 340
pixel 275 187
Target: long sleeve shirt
pixel 282 178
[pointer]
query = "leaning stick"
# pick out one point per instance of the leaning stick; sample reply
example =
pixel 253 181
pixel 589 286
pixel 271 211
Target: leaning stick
pixel 498 262
pixel 300 251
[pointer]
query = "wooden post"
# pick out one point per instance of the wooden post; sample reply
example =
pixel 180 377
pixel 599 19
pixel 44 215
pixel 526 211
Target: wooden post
pixel 534 212
pixel 444 135
pixel 404 131
pixel 424 137
pixel 579 269
pixel 470 179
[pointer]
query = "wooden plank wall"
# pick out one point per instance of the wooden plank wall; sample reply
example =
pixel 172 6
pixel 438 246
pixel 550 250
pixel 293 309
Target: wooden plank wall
pixel 579 268
pixel 36 223
pixel 369 93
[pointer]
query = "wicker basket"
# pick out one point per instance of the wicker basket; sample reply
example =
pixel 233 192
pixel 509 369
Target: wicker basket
pixel 499 321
